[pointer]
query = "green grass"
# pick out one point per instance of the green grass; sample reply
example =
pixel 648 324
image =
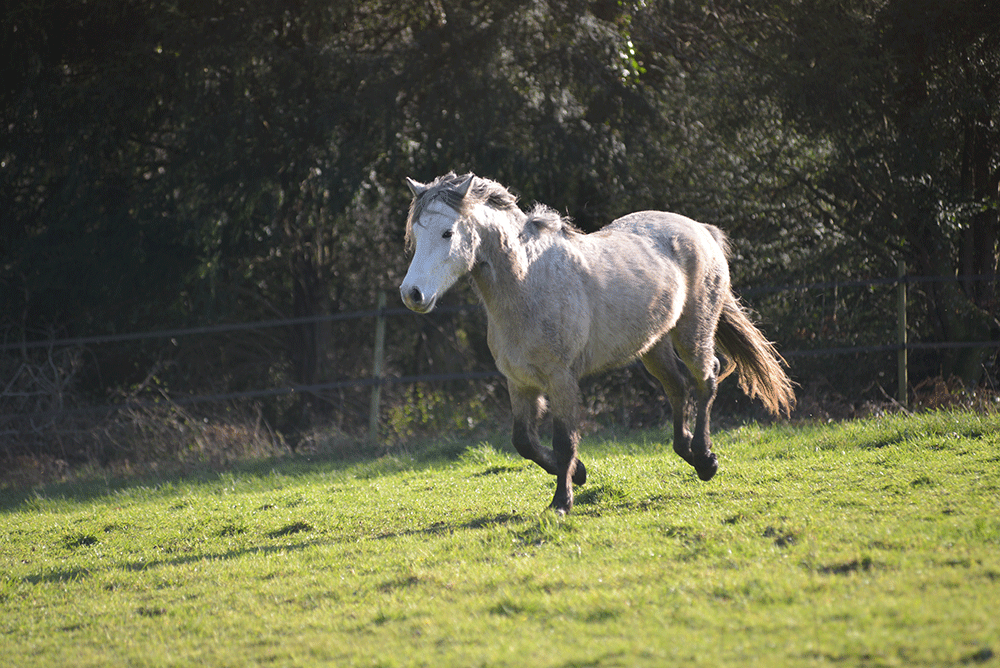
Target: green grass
pixel 871 543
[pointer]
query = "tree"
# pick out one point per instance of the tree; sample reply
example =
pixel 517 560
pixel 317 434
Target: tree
pixel 907 94
pixel 173 163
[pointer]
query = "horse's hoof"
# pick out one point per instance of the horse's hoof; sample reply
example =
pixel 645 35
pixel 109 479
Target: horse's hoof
pixel 707 467
pixel 580 474
pixel 561 507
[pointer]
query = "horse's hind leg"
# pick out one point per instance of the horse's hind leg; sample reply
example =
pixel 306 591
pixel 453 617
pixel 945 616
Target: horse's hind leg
pixel 661 361
pixel 705 461
pixel 699 357
pixel 528 407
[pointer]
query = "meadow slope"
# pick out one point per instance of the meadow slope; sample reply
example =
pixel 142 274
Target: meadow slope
pixel 868 543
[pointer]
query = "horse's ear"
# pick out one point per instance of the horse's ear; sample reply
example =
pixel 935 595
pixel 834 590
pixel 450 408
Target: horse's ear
pixel 416 187
pixel 463 188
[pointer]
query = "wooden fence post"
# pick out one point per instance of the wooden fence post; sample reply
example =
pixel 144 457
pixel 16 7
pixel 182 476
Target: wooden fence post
pixel 374 405
pixel 901 360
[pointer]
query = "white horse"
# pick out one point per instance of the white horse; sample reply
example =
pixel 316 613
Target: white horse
pixel 562 304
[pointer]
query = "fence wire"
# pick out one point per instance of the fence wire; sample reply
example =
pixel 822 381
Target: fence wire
pixel 432 378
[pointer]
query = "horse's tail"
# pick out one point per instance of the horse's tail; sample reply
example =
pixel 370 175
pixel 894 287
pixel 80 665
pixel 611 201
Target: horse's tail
pixel 761 368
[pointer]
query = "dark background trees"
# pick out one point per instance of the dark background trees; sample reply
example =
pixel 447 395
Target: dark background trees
pixel 906 95
pixel 187 163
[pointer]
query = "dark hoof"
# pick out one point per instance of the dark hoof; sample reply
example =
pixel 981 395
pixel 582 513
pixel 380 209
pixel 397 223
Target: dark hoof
pixel 562 502
pixel 561 511
pixel 580 474
pixel 706 467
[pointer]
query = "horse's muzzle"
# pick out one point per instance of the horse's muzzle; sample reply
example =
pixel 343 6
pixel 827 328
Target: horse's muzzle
pixel 415 300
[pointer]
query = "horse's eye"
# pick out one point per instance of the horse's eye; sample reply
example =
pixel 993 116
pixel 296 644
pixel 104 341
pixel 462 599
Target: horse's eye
pixel 446 234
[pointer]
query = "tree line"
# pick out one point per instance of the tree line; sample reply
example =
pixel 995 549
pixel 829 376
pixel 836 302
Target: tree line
pixel 166 164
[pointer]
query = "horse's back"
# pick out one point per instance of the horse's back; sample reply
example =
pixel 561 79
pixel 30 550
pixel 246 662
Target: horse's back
pixel 633 280
pixel 673 234
pixel 600 299
pixel 697 255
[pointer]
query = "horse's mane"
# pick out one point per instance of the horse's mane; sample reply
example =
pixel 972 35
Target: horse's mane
pixel 542 218
pixel 482 191
pixel 444 189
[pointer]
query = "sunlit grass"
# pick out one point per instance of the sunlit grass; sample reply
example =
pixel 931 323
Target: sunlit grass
pixel 865 543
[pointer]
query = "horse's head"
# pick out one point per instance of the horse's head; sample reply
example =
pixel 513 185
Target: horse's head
pixel 444 240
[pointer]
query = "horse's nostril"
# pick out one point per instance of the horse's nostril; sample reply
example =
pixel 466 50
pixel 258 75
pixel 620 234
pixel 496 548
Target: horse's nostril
pixel 415 295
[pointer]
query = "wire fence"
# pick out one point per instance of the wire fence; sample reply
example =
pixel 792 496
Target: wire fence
pixel 378 379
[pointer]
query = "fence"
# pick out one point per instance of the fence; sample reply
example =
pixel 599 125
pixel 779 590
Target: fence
pixel 381 313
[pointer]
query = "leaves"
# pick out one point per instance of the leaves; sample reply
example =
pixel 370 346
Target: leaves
pixel 165 164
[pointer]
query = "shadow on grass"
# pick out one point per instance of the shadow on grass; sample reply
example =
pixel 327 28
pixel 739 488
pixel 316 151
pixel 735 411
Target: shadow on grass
pixel 420 454
pixel 93 484
pixel 441 528
pixel 78 574
pixel 438 528
pixel 99 483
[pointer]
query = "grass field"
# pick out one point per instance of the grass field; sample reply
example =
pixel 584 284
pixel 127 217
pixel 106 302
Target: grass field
pixel 870 543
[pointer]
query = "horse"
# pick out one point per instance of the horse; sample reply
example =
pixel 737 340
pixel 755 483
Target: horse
pixel 562 305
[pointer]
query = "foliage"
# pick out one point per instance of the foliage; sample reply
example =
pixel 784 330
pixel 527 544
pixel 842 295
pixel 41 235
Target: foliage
pixel 429 412
pixel 871 542
pixel 185 163
pixel 904 95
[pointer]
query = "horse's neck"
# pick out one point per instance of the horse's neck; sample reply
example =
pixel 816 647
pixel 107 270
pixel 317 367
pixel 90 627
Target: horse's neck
pixel 502 263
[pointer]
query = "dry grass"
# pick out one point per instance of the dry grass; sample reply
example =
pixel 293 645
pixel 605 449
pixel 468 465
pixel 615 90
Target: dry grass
pixel 940 393
pixel 138 439
pixel 48 435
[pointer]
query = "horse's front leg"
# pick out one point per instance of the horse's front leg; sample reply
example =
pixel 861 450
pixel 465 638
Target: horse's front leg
pixel 528 407
pixel 565 438
pixel 565 398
